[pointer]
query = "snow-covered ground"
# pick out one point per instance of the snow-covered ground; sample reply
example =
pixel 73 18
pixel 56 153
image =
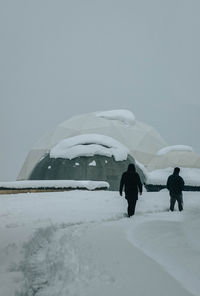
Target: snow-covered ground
pixel 80 243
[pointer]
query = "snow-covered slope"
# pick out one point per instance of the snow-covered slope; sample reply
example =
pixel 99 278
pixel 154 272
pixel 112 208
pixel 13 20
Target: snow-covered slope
pixel 80 243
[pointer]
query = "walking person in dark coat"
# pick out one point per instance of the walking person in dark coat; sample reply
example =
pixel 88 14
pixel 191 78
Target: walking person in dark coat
pixel 131 183
pixel 175 185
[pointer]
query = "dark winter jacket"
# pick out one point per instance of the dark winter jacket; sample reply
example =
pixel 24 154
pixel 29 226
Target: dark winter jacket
pixel 131 182
pixel 175 183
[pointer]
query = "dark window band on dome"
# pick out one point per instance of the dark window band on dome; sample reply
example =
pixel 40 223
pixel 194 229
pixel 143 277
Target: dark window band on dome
pixel 105 169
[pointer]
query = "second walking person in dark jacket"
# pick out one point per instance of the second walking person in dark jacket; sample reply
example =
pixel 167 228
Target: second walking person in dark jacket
pixel 175 185
pixel 131 183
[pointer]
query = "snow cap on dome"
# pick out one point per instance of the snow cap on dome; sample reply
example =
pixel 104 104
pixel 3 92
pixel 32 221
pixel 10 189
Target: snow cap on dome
pixel 89 145
pixel 122 115
pixel 167 149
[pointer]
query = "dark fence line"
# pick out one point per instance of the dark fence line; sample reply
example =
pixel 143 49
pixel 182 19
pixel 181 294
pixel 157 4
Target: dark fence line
pixel 156 188
pixel 5 190
pixel 149 188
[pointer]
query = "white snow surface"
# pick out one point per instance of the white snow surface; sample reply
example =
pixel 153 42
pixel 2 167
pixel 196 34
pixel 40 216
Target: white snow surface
pixel 80 243
pixel 168 149
pixel 90 185
pixel 122 115
pixel 89 145
pixel 92 163
pixel 191 176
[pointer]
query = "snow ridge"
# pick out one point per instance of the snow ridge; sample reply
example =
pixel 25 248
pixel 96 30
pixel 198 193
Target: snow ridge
pixel 124 116
pixel 168 149
pixel 89 145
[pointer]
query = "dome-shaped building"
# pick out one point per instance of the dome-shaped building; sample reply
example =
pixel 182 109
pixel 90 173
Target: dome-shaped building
pixel 142 140
pixel 86 157
pixel 164 162
pixel 175 156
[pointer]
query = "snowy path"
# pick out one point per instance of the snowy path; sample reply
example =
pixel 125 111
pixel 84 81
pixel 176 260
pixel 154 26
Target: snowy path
pixel 125 270
pixel 78 243
pixel 180 251
pixel 92 259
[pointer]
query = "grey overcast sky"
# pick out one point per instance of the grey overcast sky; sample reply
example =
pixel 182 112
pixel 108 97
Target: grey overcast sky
pixel 66 57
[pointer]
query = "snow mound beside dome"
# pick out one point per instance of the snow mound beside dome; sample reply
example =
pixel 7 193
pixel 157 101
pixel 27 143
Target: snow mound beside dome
pixel 124 116
pixel 168 149
pixel 191 176
pixel 175 156
pixel 89 145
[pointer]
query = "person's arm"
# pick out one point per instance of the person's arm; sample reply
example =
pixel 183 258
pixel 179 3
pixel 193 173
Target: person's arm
pixel 168 181
pixel 121 184
pixel 183 183
pixel 139 183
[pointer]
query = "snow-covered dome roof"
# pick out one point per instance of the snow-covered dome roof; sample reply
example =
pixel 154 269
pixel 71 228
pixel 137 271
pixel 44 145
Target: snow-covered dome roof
pixel 89 145
pixel 172 156
pixel 168 149
pixel 124 116
pixel 142 140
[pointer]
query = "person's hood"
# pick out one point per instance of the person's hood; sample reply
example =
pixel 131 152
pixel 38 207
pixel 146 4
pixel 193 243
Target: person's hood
pixel 176 171
pixel 131 168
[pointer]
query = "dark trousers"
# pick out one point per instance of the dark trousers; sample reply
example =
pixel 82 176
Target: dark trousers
pixel 131 206
pixel 174 198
